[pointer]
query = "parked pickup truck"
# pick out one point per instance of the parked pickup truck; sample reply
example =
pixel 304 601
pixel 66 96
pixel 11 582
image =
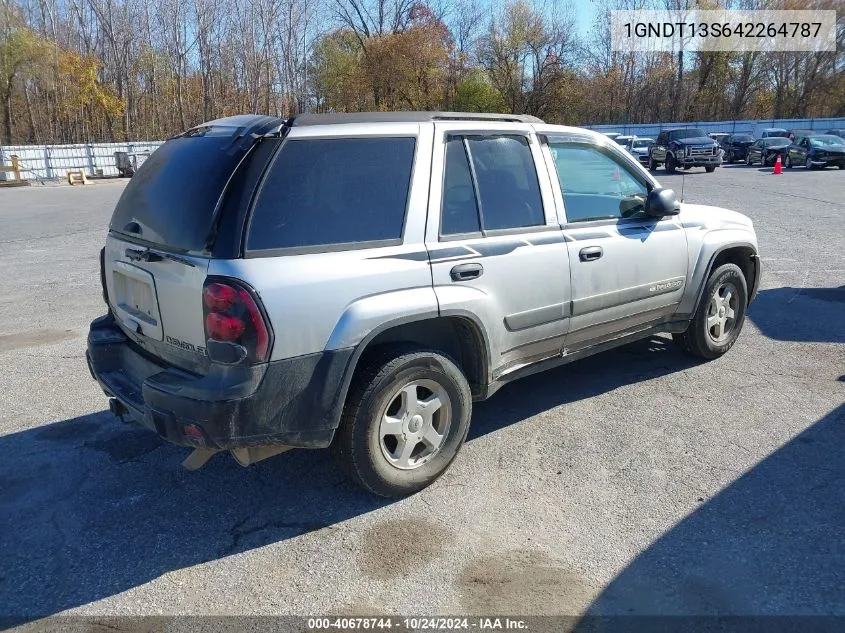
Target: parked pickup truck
pixel 359 280
pixel 684 148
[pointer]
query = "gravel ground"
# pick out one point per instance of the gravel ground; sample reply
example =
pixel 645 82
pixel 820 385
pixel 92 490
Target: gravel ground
pixel 638 481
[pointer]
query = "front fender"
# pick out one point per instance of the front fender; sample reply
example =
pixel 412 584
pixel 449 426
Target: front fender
pixel 704 250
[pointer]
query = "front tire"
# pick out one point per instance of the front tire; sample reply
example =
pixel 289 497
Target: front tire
pixel 720 315
pixel 405 420
pixel 671 165
pixel 652 164
pixel 710 168
pixel 748 160
pixel 809 163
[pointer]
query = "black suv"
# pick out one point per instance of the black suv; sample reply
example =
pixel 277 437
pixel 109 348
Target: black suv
pixel 684 147
pixel 736 146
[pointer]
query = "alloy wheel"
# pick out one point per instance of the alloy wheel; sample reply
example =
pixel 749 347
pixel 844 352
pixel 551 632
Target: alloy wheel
pixel 721 313
pixel 415 423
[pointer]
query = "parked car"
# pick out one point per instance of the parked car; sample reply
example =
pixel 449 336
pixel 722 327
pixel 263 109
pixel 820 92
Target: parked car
pixel 840 132
pixel 769 132
pixel 359 280
pixel 624 140
pixel 639 148
pixel 718 136
pixel 817 151
pixel 797 135
pixel 684 147
pixel 735 146
pixel 766 150
pixel 612 135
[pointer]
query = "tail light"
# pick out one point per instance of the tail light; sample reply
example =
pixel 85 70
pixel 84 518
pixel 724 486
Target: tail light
pixel 236 328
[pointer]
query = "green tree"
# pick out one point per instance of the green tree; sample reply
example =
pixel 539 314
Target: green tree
pixel 21 50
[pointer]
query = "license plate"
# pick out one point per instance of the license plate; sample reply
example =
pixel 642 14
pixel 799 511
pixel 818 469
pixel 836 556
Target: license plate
pixel 135 298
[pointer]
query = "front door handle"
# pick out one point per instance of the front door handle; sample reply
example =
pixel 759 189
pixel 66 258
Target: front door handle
pixel 465 272
pixel 590 253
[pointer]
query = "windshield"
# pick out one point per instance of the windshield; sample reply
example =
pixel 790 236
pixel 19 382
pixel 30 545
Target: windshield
pixel 171 199
pixel 691 132
pixel 775 142
pixel 622 140
pixel 825 139
pixel 641 142
pixel 742 138
pixel 776 132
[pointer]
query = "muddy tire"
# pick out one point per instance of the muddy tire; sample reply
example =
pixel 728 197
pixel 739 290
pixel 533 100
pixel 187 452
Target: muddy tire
pixel 405 419
pixel 720 314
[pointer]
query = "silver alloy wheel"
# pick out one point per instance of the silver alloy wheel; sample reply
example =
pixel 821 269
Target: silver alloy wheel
pixel 415 423
pixel 721 313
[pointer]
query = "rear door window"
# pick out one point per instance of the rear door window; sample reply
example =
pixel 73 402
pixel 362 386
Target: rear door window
pixel 460 209
pixel 341 193
pixel 499 184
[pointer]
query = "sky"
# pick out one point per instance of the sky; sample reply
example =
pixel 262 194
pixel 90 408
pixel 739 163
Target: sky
pixel 585 12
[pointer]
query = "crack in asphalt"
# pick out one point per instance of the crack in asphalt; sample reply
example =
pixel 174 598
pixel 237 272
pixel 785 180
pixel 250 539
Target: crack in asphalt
pixel 237 533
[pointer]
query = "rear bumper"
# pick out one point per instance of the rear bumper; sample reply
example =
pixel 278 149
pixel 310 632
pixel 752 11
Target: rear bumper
pixel 293 402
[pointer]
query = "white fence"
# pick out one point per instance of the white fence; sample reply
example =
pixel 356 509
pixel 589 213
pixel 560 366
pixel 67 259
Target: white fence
pixel 748 126
pixel 45 162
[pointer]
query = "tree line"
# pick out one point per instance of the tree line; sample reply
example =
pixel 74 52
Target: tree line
pixel 110 70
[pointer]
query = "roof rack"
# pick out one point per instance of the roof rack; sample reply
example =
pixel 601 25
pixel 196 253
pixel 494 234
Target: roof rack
pixel 336 118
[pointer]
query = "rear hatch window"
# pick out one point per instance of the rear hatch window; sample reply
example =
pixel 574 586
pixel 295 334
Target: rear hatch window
pixel 172 198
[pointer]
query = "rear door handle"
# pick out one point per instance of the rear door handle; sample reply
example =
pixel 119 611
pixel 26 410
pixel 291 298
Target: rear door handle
pixel 590 253
pixel 465 272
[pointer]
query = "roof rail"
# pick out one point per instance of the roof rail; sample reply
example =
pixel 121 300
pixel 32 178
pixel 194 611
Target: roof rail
pixel 337 118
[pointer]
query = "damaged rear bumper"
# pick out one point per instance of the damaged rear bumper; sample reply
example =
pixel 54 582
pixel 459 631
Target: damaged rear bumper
pixel 293 402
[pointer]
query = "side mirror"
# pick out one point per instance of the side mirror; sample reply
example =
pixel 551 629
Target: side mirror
pixel 662 202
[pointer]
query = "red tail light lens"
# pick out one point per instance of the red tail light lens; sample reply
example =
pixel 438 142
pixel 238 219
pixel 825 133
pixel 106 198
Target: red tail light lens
pixel 221 327
pixel 234 316
pixel 219 297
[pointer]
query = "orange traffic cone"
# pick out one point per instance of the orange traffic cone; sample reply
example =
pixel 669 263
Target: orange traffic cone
pixel 778 166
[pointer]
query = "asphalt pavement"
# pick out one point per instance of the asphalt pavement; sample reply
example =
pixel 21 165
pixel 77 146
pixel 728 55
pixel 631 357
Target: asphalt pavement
pixel 639 481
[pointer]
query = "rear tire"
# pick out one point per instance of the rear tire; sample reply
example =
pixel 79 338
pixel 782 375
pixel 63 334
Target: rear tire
pixel 720 315
pixel 787 162
pixel 405 419
pixel 748 160
pixel 710 168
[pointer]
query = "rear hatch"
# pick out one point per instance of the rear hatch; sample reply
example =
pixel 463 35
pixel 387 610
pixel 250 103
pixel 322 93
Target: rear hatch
pixel 161 237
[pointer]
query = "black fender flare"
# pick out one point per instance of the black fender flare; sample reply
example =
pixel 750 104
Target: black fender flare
pixel 339 400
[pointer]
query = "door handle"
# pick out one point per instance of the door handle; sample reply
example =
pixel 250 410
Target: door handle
pixel 590 253
pixel 465 272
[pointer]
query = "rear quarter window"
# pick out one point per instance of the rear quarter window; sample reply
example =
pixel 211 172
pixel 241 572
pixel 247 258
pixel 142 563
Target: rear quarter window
pixel 324 193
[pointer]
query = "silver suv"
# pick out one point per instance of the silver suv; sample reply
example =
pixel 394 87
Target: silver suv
pixel 358 280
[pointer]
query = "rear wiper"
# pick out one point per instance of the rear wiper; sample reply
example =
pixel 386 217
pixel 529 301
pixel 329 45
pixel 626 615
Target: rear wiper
pixel 149 255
